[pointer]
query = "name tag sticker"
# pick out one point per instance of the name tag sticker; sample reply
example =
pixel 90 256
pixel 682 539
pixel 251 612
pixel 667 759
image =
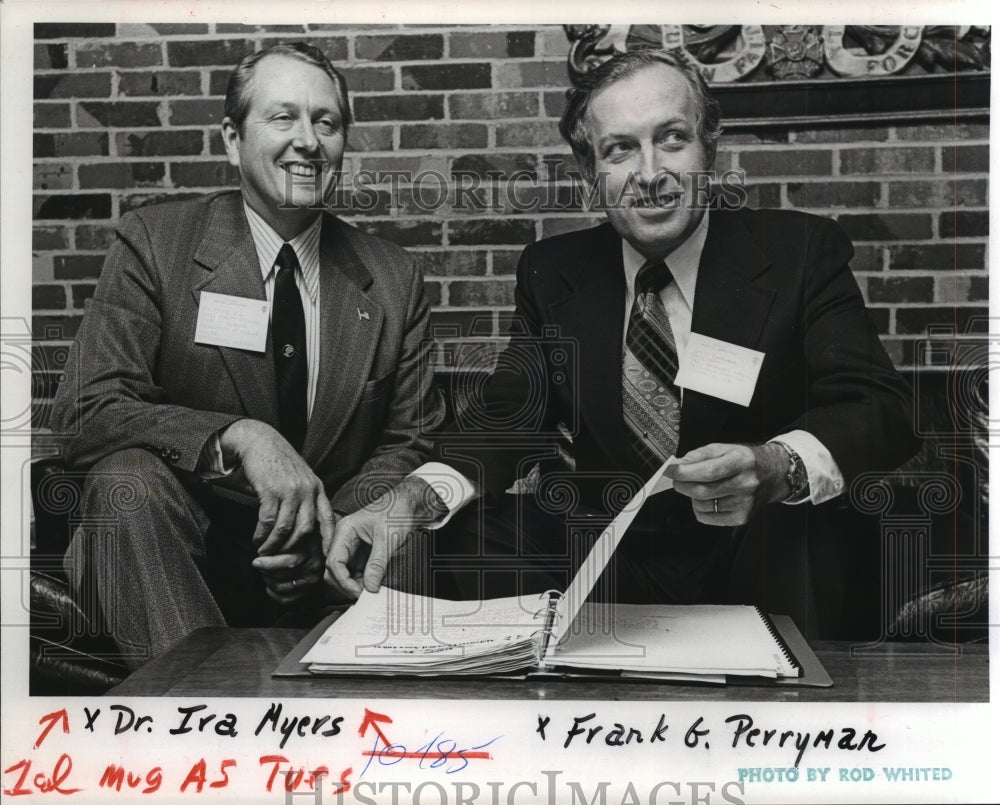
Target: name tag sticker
pixel 232 321
pixel 720 369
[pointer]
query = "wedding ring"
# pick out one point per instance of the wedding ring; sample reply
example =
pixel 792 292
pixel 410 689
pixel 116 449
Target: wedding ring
pixel 715 505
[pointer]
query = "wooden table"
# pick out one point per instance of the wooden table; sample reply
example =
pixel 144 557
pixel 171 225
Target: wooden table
pixel 239 662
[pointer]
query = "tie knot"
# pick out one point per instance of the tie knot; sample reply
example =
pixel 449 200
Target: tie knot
pixel 653 277
pixel 286 258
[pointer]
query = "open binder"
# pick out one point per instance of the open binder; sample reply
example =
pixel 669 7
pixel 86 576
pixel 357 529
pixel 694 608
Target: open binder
pixel 392 632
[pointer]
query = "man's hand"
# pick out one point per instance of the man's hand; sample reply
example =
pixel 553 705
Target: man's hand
pixel 728 483
pixel 378 529
pixel 295 574
pixel 292 500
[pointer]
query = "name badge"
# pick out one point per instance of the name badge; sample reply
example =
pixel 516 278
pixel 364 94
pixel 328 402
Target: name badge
pixel 720 369
pixel 232 321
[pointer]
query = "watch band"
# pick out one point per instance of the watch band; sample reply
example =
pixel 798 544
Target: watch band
pixel 797 477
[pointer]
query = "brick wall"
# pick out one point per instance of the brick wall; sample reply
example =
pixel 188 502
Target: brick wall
pixel 128 114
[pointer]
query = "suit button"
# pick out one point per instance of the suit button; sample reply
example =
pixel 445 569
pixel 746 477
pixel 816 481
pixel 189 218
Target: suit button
pixel 175 455
pixel 164 452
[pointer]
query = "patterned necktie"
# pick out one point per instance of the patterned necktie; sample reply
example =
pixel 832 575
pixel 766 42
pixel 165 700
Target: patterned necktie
pixel 650 400
pixel 288 336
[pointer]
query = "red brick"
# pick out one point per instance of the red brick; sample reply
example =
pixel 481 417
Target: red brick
pixel 505 261
pixel 72 30
pixel 178 28
pixel 915 320
pixel 120 114
pixel 207 112
pixel 134 201
pixel 938 132
pixel 753 137
pixel 966 158
pixel 833 194
pixel 333 47
pixel 79 205
pixel 466 293
pixel 51 116
pixel 122 174
pixel 49 238
pixel 159 143
pixel 398 107
pixel 445 76
pixel 81 293
pixel 542 134
pixel 842 134
pixel 887 226
pixel 55 327
pixel 964 224
pixel 452 263
pixel 48 297
pixel 518 231
pixel 491 105
pixel 52 176
pixel 138 83
pixel 72 85
pixel 868 258
pixel 493 166
pixel 979 289
pixel 956 288
pixel 445 135
pixel 895 159
pixel 462 324
pixel 554 102
pixel 759 195
pixel 401 47
pixel 405 233
pixel 49 357
pixel 74 144
pixel 208 52
pixel 77 266
pixel 938 256
pixel 786 162
pixel 369 138
pixel 561 225
pixel 240 28
pixel 938 193
pixel 498 44
pixel 93 237
pixel 119 54
pixel 533 74
pixel 52 56
pixel 900 289
pixel 369 79
pixel 432 290
pixel 203 174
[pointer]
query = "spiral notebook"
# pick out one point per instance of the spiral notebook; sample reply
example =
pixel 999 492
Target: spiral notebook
pixel 392 632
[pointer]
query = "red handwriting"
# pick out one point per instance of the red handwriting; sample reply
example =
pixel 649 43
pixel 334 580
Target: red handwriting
pixel 44 783
pixel 297 777
pixel 198 776
pixel 114 776
pixel 52 719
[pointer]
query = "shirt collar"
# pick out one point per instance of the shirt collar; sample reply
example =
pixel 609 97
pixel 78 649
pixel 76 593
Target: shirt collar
pixel 268 243
pixel 683 262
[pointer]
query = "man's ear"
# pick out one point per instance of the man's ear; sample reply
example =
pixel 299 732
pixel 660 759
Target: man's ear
pixel 231 139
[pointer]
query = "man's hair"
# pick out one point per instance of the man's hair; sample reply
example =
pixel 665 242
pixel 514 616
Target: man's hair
pixel 241 79
pixel 573 125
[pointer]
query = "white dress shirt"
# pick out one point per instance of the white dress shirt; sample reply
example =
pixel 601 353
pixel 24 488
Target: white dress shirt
pixel 825 479
pixel 268 243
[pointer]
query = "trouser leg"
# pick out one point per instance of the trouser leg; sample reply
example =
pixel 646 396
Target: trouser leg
pixel 139 555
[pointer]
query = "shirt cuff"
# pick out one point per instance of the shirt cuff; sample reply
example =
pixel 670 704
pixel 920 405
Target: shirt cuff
pixel 211 464
pixel 454 489
pixel 825 479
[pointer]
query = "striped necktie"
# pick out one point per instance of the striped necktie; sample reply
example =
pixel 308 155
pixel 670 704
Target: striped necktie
pixel 651 401
pixel 288 334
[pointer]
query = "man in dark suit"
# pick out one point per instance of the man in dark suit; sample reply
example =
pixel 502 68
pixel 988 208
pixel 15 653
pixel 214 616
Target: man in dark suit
pixel 249 367
pixel 635 299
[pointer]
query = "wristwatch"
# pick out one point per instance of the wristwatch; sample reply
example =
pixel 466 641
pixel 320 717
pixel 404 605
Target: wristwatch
pixel 798 480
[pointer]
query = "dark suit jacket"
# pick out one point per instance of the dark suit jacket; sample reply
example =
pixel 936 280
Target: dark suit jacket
pixel 774 281
pixel 138 379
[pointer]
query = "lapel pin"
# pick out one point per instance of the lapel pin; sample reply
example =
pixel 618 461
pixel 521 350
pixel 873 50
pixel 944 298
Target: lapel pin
pixel 363 314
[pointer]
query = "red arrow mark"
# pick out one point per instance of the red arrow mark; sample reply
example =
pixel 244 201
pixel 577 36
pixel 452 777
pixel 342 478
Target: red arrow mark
pixel 372 719
pixel 52 719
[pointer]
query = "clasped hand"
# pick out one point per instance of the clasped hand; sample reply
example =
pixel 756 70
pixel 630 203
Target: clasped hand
pixel 295 519
pixel 728 483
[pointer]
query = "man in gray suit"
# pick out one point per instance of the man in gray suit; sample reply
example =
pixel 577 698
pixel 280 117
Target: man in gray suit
pixel 250 369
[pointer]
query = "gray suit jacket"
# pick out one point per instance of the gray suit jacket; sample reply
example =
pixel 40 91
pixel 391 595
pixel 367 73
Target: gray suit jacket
pixel 138 379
